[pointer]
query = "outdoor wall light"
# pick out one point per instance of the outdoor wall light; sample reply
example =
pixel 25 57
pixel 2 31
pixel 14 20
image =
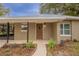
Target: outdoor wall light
pixel 44 25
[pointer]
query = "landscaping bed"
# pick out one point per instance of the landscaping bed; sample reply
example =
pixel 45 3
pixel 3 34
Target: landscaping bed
pixel 68 49
pixel 17 50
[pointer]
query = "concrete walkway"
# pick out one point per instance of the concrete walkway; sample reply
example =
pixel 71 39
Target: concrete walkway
pixel 41 49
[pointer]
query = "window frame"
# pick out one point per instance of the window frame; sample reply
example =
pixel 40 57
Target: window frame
pixel 63 29
pixel 22 27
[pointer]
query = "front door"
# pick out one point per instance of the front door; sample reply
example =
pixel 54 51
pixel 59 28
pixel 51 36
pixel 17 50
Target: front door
pixel 39 31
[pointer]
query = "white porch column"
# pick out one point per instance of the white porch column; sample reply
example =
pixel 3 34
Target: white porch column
pixel 44 27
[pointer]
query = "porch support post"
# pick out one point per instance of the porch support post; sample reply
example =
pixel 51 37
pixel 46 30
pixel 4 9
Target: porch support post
pixel 71 29
pixel 44 26
pixel 8 29
pixel 13 31
pixel 27 32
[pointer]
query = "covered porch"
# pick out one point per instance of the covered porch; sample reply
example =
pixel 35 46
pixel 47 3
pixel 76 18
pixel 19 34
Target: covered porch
pixel 33 29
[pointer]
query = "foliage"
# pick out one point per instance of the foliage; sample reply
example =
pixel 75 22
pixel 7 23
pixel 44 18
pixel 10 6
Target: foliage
pixel 62 8
pixel 3 10
pixel 51 43
pixel 30 45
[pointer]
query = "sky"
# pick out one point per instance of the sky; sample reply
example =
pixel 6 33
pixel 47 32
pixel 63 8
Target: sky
pixel 23 9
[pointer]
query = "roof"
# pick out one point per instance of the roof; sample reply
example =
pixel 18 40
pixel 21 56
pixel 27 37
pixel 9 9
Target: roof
pixel 53 17
pixel 41 18
pixel 32 17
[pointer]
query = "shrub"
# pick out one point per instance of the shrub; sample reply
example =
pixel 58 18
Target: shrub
pixel 51 43
pixel 30 45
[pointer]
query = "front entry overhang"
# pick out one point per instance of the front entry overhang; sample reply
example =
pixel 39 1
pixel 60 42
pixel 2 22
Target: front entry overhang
pixel 36 19
pixel 30 19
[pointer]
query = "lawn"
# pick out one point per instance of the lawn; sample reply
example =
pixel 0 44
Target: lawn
pixel 68 49
pixel 17 50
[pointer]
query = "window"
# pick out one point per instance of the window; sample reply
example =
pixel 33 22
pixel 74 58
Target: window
pixel 24 27
pixel 65 29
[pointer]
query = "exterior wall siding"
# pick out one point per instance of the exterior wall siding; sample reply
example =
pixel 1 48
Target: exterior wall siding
pixel 50 31
pixel 54 31
pixel 32 33
pixel 75 30
pixel 59 37
pixel 18 35
pixel 47 32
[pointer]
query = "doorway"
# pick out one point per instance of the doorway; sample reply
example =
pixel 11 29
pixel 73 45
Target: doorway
pixel 39 31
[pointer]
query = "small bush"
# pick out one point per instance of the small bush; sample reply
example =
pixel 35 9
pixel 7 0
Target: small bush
pixel 30 45
pixel 51 43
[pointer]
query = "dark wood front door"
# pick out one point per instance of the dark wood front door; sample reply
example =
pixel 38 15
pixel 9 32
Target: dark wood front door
pixel 39 31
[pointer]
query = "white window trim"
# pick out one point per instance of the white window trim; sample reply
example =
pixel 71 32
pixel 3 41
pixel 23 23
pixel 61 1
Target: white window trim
pixel 23 25
pixel 64 29
pixel 65 35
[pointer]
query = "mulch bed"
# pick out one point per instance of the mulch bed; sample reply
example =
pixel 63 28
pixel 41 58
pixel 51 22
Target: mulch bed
pixel 68 49
pixel 17 50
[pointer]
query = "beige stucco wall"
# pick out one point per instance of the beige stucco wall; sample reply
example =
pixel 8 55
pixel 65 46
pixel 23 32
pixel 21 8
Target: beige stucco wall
pixel 49 31
pixel 54 31
pixel 75 30
pixel 18 35
pixel 59 37
pixel 32 31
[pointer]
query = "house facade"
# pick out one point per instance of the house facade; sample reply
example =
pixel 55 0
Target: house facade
pixel 44 28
